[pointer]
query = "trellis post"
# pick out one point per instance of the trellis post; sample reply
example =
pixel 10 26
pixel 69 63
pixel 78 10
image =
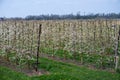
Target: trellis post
pixel 38 47
pixel 117 50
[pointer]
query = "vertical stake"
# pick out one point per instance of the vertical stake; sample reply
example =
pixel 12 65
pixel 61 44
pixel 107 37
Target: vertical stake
pixel 116 51
pixel 38 47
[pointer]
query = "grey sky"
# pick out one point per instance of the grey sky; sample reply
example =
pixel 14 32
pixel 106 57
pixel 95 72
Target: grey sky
pixel 22 8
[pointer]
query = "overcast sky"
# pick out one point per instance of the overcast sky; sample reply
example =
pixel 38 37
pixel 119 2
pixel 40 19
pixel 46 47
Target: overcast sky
pixel 22 8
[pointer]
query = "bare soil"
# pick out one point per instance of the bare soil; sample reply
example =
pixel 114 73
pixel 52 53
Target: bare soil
pixel 78 63
pixel 25 70
pixel 32 72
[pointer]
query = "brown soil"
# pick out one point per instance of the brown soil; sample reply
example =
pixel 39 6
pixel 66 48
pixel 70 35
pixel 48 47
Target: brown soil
pixel 78 63
pixel 32 72
pixel 25 70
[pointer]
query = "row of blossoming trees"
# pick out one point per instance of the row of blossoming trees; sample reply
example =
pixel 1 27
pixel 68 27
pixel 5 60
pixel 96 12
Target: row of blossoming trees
pixel 19 42
pixel 94 42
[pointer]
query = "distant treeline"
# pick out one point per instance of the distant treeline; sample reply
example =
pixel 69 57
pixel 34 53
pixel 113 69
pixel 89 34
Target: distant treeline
pixel 67 16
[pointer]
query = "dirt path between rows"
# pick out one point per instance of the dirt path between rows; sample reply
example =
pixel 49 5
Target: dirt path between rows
pixel 27 71
pixel 74 62
pixel 32 72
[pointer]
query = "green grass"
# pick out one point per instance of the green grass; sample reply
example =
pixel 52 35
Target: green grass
pixel 60 71
pixel 8 74
pixel 97 60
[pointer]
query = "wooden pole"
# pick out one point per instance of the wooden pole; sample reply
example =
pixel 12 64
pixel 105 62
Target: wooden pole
pixel 116 50
pixel 38 47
